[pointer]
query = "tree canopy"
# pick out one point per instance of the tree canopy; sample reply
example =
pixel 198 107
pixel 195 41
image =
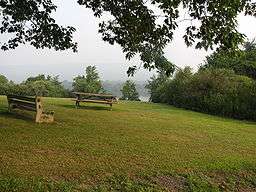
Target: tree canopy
pixel 242 63
pixel 129 91
pixel 88 83
pixel 31 21
pixel 138 26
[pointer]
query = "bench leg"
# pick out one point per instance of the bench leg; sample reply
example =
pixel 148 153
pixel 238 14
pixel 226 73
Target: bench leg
pixel 77 104
pixel 38 116
pixel 9 107
pixel 110 107
pixel 44 117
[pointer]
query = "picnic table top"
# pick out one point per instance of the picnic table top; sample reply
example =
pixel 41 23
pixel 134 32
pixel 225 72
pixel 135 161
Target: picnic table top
pixel 94 94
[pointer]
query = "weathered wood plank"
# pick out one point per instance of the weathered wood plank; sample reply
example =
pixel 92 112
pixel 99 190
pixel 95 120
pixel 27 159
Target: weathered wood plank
pixel 94 94
pixel 93 101
pixel 25 103
pixel 24 98
pixel 23 107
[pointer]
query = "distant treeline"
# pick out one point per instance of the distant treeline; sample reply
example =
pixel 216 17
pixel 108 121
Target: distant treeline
pixel 225 85
pixel 51 86
pixel 40 85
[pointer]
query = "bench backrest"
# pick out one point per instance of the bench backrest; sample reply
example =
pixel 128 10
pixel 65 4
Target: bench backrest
pixel 26 103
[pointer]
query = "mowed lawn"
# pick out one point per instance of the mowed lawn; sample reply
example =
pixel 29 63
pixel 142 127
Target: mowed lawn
pixel 149 146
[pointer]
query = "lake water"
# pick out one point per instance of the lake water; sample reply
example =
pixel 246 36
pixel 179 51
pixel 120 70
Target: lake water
pixel 144 99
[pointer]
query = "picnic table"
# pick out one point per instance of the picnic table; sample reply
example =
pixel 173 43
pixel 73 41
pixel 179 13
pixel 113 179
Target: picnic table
pixel 94 98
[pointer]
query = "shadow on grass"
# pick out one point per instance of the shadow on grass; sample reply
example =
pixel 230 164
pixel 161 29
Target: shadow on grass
pixel 88 107
pixel 17 115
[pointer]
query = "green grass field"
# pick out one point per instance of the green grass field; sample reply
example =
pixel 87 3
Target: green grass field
pixel 135 147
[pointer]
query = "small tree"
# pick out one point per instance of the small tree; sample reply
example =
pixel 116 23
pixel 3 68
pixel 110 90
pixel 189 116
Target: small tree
pixel 90 83
pixel 3 84
pixel 155 84
pixel 129 91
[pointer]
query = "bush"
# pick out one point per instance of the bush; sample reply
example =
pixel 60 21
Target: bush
pixel 214 91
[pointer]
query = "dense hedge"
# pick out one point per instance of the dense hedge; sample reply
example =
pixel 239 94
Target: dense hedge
pixel 214 91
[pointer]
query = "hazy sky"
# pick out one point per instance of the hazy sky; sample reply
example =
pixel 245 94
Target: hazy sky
pixel 26 61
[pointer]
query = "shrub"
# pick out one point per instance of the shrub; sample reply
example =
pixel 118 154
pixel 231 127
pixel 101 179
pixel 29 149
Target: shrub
pixel 214 91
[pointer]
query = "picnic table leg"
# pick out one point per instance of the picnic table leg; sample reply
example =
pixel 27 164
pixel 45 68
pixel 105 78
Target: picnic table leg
pixel 110 107
pixel 9 105
pixel 77 101
pixel 77 104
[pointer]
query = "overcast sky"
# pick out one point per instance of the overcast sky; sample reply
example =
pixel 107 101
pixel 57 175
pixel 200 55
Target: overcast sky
pixel 26 61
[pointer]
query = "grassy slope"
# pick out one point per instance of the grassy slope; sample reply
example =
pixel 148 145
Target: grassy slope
pixel 89 144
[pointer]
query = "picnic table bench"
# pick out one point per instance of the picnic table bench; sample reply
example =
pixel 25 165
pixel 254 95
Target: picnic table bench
pixel 94 98
pixel 30 104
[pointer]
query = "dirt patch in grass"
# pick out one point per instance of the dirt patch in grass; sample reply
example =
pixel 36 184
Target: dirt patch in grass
pixel 171 183
pixel 241 181
pixel 245 189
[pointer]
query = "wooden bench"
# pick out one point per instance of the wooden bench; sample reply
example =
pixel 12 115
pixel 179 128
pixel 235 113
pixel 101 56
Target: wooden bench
pixel 94 98
pixel 30 104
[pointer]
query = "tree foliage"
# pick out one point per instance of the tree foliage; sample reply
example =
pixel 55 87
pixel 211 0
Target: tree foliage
pixel 39 85
pixel 3 84
pixel 156 84
pixel 129 91
pixel 138 26
pixel 31 21
pixel 3 79
pixel 88 83
pixel 45 86
pixel 242 63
